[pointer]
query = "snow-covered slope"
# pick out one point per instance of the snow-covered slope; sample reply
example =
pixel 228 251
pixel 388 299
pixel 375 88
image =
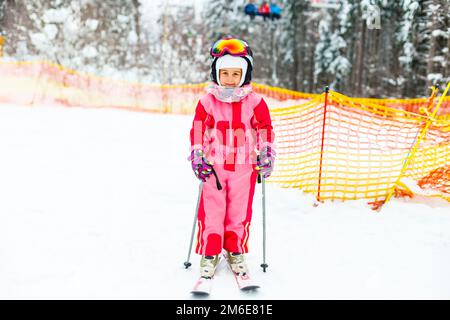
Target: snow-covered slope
pixel 99 204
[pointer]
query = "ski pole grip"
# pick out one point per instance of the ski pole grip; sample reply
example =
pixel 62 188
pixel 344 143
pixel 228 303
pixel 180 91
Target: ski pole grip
pixel 259 175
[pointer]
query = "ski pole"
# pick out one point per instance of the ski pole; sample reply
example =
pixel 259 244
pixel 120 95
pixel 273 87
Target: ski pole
pixel 261 178
pixel 264 265
pixel 187 264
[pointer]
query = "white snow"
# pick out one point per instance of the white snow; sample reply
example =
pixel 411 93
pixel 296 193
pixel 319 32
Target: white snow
pixel 39 40
pixel 71 28
pixel 92 24
pixel 122 18
pixel 440 33
pixel 51 31
pixel 434 77
pixel 56 15
pixel 132 37
pixel 99 204
pixel 90 52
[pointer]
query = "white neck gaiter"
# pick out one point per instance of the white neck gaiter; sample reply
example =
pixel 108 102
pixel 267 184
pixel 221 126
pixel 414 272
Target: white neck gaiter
pixel 229 95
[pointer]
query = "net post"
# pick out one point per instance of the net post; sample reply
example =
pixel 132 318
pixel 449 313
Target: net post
pixel 326 90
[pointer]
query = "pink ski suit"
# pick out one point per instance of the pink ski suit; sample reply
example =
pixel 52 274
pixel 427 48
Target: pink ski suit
pixel 229 134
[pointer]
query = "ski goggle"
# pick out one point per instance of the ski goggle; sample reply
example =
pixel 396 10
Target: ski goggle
pixel 235 47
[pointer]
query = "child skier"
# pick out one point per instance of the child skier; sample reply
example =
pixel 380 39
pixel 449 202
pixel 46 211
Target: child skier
pixel 231 123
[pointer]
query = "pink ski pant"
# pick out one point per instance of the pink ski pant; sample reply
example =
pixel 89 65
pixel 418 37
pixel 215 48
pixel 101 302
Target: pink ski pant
pixel 224 216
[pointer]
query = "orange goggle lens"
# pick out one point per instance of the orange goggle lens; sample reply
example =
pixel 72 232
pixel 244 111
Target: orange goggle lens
pixel 232 46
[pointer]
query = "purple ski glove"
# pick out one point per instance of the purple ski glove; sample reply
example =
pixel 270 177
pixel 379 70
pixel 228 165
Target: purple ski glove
pixel 201 167
pixel 266 161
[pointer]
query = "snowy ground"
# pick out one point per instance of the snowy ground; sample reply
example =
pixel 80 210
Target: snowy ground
pixel 98 204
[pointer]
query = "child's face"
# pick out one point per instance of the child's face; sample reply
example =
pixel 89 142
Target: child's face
pixel 230 77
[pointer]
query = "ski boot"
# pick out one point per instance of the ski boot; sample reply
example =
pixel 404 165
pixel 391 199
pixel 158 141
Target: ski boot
pixel 237 263
pixel 208 265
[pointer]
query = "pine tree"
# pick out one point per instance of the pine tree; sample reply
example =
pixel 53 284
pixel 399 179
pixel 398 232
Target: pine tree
pixel 2 10
pixel 97 37
pixel 342 42
pixel 220 18
pixel 305 50
pixel 446 50
pixel 439 15
pixel 181 63
pixel 331 66
pixel 293 45
pixel 386 74
pixel 407 37
pixel 423 35
pixel 323 54
pixel 227 17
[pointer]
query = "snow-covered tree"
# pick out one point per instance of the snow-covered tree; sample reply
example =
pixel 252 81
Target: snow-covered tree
pixel 409 37
pixel 2 10
pixel 342 43
pixel 2 32
pixel 424 34
pixel 294 48
pixel 331 65
pixel 227 17
pixel 220 18
pixel 439 15
pixel 181 51
pixel 99 37
pixel 306 49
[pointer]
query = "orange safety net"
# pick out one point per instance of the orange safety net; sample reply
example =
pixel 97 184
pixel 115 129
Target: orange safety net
pixel 438 179
pixel 350 148
pixel 40 82
pixel 344 149
pixel 282 94
pixel 418 105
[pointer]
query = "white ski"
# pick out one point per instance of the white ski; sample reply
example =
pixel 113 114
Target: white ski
pixel 202 287
pixel 244 282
